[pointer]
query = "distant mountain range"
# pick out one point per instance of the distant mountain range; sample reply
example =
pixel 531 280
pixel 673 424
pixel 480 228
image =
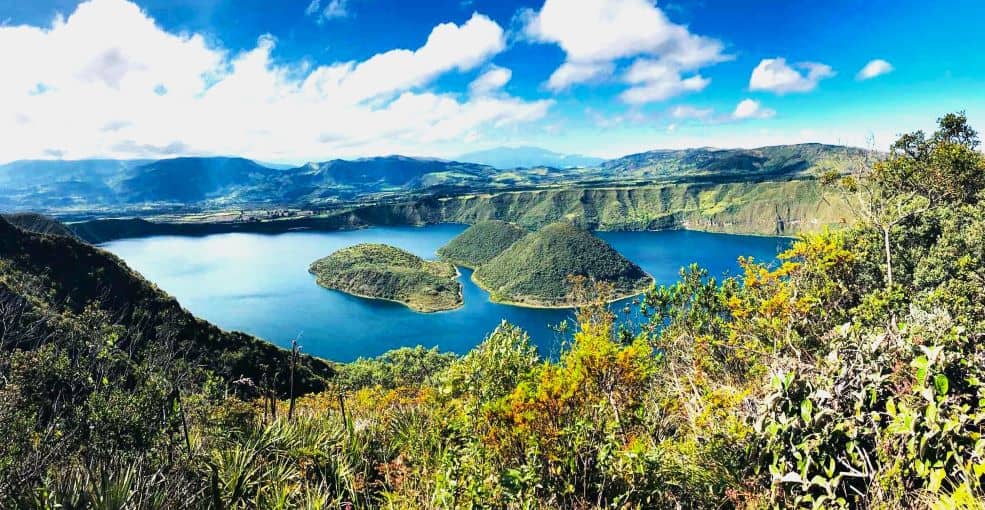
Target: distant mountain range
pixel 114 185
pixel 528 157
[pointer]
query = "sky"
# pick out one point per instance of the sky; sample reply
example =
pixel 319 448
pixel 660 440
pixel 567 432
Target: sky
pixel 309 80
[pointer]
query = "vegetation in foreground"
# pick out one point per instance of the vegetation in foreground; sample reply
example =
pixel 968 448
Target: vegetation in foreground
pixel 848 376
pixel 536 269
pixel 384 272
pixel 481 242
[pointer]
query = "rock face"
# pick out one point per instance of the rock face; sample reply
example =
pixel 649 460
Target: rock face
pixel 481 242
pixel 384 272
pixel 534 271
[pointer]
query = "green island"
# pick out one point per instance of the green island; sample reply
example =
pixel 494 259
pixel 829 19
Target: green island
pixel 380 271
pixel 536 270
pixel 481 242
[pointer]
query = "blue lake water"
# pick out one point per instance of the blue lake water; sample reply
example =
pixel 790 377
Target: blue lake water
pixel 259 283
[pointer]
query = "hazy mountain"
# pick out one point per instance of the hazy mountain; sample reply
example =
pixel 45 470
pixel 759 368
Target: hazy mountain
pixel 228 181
pixel 191 180
pixel 391 171
pixel 527 157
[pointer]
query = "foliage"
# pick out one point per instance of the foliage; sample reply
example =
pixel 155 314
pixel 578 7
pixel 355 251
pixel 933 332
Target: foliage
pixel 403 367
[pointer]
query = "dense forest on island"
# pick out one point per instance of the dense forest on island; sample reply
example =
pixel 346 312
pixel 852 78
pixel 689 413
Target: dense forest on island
pixel 537 269
pixel 384 272
pixel 849 375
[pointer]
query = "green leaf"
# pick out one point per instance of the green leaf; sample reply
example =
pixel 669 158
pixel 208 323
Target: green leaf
pixel 940 384
pixel 806 410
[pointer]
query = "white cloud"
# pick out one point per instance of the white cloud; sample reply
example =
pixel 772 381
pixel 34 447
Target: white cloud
pixel 774 75
pixel 595 34
pixel 690 112
pixel 334 9
pixel 106 81
pixel 654 80
pixel 570 73
pixel 751 109
pixel 877 67
pixel 490 81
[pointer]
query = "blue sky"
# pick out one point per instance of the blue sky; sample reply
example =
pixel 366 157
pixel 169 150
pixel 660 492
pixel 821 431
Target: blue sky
pixel 310 80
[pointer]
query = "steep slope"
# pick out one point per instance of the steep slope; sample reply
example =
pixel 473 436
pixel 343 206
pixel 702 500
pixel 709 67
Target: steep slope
pixel 384 272
pixel 39 224
pixel 768 208
pixel 525 157
pixel 481 242
pixel 68 281
pixel 534 271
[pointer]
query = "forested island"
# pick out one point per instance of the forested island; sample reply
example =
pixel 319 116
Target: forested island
pixel 537 269
pixel 384 272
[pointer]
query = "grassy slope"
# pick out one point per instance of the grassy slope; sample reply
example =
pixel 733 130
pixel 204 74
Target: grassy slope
pixel 64 276
pixel 481 242
pixel 534 270
pixel 384 272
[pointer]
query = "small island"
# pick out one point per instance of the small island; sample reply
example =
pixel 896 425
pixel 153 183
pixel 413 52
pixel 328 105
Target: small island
pixel 481 242
pixel 534 270
pixel 380 271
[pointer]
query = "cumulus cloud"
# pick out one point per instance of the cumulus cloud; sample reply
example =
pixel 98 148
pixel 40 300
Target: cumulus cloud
pixel 595 34
pixel 877 67
pixel 751 109
pixel 774 75
pixel 655 80
pixel 494 79
pixel 107 81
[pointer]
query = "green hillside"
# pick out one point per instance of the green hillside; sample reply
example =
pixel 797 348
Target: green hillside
pixel 63 281
pixel 481 242
pixel 384 272
pixel 535 270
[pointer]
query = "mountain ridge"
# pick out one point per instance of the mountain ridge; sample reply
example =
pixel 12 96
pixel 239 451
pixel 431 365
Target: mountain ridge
pixel 208 183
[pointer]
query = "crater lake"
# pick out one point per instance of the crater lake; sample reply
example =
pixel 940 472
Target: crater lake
pixel 259 284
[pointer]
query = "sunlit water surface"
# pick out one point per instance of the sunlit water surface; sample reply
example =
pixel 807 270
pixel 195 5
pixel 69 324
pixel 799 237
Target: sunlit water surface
pixel 259 283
